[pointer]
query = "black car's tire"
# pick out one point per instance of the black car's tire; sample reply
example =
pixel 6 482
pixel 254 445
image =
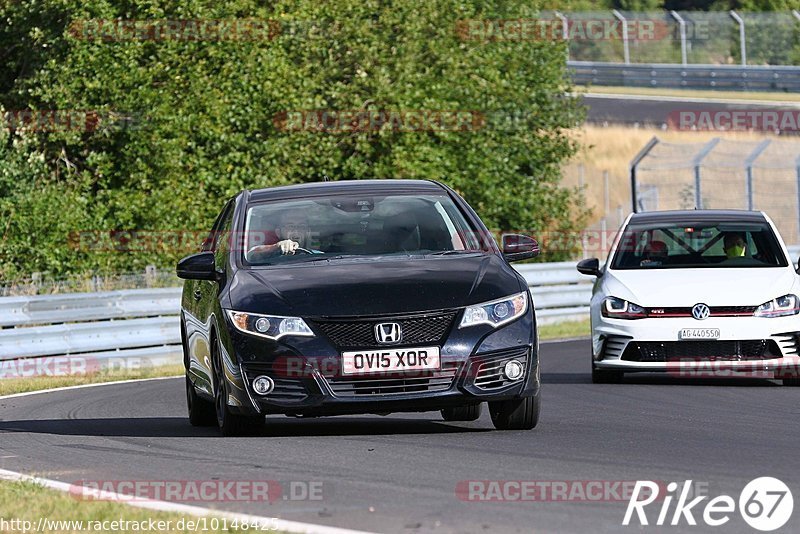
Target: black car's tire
pixel 795 382
pixel 516 414
pixel 463 413
pixel 201 412
pixel 606 376
pixel 229 423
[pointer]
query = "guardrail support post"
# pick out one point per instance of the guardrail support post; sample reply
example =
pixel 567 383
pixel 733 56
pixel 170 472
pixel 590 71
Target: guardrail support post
pixel 749 169
pixel 626 53
pixel 682 25
pixel 634 163
pixel 742 42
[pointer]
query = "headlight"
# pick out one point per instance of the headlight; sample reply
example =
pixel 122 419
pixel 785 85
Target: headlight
pixel 496 312
pixel 622 309
pixel 269 326
pixel 779 307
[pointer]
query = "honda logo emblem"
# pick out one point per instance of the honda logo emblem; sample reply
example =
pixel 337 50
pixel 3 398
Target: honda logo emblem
pixel 700 312
pixel 388 333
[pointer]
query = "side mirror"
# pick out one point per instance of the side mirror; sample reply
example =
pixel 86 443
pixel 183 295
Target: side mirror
pixel 198 266
pixel 518 247
pixel 589 267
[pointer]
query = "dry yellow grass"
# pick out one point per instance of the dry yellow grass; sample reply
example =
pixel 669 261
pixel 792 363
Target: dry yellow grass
pixel 612 148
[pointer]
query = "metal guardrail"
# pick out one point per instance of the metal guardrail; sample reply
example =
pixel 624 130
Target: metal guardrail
pixel 143 323
pixel 672 76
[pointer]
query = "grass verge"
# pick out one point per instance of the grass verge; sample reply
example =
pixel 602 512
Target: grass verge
pixel 565 330
pixel 25 504
pixel 9 386
pixel 693 93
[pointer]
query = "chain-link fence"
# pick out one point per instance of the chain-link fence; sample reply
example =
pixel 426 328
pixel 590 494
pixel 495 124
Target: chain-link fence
pixel 682 37
pixel 721 173
pixel 45 284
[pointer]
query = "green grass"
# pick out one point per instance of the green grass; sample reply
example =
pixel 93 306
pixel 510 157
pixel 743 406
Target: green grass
pixel 22 385
pixel 565 330
pixel 695 93
pixel 27 501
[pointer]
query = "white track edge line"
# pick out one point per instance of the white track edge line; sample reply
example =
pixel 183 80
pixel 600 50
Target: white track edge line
pixel 271 523
pixel 163 506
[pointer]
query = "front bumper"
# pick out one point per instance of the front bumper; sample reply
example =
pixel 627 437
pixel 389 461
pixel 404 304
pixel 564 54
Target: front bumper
pixel 746 344
pixel 308 382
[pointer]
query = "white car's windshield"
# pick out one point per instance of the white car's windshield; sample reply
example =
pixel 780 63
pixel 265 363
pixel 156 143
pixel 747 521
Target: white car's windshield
pixel 339 226
pixel 722 244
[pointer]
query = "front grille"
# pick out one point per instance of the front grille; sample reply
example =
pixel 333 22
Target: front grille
pixel 394 383
pixel 286 389
pixel 716 311
pixel 667 351
pixel 416 330
pixel 489 372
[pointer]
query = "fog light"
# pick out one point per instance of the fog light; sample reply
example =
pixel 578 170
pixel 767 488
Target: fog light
pixel 513 370
pixel 263 385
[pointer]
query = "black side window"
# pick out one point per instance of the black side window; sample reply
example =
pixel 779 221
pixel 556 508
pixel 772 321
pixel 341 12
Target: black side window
pixel 222 236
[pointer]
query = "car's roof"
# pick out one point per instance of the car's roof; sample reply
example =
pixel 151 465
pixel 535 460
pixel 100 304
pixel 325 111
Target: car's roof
pixel 346 186
pixel 697 216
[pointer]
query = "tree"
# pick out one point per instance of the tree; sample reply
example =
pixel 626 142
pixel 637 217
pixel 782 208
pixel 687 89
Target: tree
pixel 187 123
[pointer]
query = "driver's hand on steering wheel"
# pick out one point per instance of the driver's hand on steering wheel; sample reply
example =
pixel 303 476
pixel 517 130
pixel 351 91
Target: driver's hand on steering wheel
pixel 288 246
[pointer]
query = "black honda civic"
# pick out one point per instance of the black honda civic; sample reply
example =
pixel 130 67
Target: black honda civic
pixel 357 297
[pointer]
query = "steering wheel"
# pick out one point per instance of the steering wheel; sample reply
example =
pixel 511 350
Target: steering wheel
pixel 303 250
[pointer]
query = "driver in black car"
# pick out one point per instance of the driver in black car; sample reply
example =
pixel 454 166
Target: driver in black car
pixel 291 233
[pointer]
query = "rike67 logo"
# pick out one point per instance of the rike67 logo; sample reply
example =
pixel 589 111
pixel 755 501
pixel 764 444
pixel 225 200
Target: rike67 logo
pixel 765 504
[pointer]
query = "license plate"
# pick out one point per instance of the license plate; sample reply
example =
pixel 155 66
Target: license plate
pixel 395 360
pixel 699 333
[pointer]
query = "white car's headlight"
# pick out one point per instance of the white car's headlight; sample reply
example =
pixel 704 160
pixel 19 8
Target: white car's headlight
pixel 779 307
pixel 269 326
pixel 496 312
pixel 615 308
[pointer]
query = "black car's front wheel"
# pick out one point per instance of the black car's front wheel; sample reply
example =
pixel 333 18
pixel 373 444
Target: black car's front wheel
pixel 516 414
pixel 462 413
pixel 229 423
pixel 201 412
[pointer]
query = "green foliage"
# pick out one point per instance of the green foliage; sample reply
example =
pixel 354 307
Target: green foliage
pixel 195 118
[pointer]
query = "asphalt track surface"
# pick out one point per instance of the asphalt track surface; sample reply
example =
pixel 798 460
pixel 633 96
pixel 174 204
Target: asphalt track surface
pixel 654 111
pixel 399 473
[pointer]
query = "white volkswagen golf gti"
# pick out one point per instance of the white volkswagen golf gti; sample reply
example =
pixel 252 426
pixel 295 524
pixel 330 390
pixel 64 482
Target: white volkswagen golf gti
pixel 696 293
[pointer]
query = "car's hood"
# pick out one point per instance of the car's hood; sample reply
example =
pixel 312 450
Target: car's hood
pixel 687 287
pixel 373 286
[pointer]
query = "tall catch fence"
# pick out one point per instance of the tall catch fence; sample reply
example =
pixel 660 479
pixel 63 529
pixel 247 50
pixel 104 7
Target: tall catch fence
pixel 721 174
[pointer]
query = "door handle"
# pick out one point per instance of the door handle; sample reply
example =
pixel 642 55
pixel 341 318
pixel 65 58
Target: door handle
pixel 197 294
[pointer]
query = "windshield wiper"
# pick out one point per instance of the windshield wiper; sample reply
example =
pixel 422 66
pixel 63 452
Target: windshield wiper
pixel 449 252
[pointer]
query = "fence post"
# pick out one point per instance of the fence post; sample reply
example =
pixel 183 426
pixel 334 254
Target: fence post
pixel 634 163
pixel 742 44
pixel 698 160
pixel 564 30
pixel 749 170
pixel 682 25
pixel 626 53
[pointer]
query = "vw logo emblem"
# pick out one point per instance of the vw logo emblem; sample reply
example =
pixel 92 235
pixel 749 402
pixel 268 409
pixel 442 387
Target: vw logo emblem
pixel 700 311
pixel 388 333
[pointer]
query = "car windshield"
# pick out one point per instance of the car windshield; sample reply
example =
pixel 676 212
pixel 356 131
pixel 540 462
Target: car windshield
pixel 341 226
pixel 716 245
